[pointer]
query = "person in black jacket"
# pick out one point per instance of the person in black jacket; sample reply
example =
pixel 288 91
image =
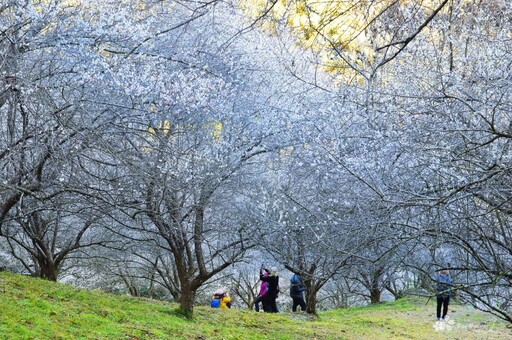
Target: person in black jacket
pixel 297 293
pixel 269 300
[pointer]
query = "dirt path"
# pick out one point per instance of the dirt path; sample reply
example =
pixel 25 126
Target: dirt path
pixel 463 322
pixel 446 325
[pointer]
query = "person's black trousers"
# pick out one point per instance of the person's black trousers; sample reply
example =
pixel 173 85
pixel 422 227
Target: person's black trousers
pixel 269 304
pixel 299 302
pixel 257 303
pixel 442 302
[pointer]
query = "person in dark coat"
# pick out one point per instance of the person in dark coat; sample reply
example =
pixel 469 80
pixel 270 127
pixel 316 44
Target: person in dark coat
pixel 297 293
pixel 443 292
pixel 269 300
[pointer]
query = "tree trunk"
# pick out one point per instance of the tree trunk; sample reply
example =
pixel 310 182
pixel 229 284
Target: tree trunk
pixel 397 293
pixel 310 297
pixel 375 295
pixel 375 290
pixel 187 302
pixel 47 270
pixel 311 302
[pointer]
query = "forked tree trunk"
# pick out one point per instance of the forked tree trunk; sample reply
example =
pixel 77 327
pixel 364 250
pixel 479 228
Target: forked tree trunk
pixel 50 275
pixel 47 269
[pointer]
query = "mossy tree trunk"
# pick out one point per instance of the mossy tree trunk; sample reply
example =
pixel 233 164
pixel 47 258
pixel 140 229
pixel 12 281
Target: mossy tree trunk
pixel 187 299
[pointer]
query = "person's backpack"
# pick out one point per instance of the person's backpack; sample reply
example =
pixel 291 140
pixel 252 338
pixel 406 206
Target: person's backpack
pixel 296 286
pixel 296 282
pixel 215 303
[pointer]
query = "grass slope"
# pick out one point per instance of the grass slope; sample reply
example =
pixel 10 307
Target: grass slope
pixel 37 309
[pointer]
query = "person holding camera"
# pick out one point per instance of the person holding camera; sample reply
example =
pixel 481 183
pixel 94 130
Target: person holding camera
pixel 269 300
pixel 261 294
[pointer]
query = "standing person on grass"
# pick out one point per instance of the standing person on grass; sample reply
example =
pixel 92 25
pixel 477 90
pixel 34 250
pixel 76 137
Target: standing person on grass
pixel 261 295
pixel 443 292
pixel 269 300
pixel 297 293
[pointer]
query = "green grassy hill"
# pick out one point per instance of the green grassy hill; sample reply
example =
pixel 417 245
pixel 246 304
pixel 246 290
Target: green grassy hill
pixel 38 309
